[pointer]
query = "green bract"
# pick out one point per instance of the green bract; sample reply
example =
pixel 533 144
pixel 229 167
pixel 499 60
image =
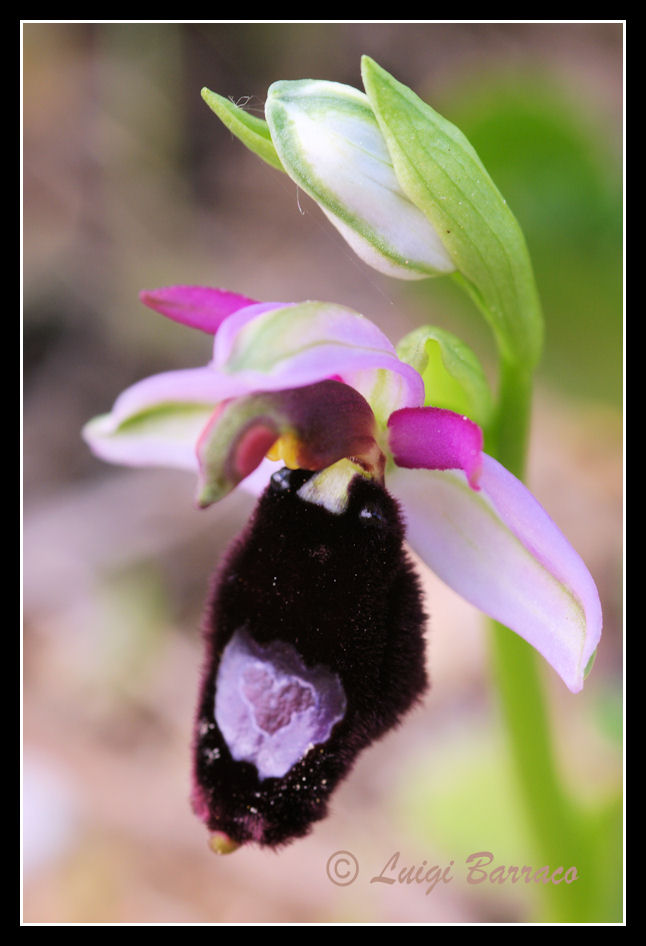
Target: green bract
pixel 453 376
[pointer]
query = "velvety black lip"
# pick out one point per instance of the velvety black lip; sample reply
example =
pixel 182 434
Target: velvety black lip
pixel 341 590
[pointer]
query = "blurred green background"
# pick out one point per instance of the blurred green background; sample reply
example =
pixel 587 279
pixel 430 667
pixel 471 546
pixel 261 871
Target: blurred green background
pixel 130 182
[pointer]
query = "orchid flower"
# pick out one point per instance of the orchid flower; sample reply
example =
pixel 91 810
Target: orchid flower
pixel 319 390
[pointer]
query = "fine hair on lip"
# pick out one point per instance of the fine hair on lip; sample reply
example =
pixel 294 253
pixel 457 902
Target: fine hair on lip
pixel 330 603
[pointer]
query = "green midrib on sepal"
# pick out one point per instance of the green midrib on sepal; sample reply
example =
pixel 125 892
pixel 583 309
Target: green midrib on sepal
pixel 169 412
pixel 441 173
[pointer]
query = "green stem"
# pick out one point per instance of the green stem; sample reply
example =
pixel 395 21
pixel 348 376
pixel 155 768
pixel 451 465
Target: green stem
pixel 556 826
pixel 513 417
pixel 554 821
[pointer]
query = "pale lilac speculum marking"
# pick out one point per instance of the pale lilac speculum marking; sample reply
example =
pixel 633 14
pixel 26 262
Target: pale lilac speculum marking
pixel 271 709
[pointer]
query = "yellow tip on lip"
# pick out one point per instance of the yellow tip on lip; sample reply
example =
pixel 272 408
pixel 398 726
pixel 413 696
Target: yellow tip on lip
pixel 221 843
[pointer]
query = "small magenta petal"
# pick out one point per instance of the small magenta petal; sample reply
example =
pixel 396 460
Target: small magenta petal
pixel 200 307
pixel 500 550
pixel 432 438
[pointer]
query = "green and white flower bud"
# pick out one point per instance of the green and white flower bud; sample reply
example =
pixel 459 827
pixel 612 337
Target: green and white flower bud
pixel 405 189
pixel 328 140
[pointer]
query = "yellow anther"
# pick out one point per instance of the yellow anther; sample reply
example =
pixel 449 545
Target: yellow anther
pixel 288 449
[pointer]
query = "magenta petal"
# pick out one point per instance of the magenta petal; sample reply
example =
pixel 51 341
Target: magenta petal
pixel 196 306
pixel 432 438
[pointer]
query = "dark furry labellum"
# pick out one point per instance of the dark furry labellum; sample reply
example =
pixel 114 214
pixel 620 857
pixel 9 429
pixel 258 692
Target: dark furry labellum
pixel 314 649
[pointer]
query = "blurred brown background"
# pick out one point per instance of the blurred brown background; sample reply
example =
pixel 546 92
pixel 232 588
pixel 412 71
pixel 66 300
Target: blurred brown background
pixel 130 182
